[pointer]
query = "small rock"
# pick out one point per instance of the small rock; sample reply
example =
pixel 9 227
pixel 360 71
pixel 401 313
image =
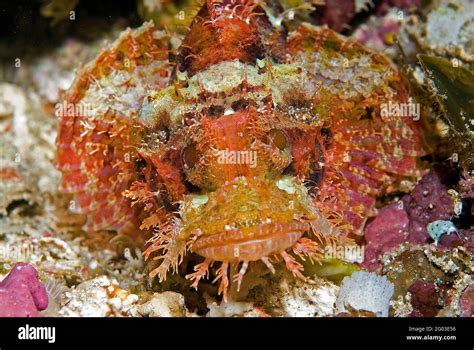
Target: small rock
pixel 283 295
pixel 166 304
pixel 424 299
pixel 308 299
pixel 229 309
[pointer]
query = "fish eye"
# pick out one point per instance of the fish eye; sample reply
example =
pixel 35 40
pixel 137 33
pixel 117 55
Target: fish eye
pixel 278 138
pixel 190 156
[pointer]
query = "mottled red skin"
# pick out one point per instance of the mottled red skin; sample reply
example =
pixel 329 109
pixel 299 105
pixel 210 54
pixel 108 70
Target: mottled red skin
pixel 93 166
pixel 128 172
pixel 22 294
pixel 210 42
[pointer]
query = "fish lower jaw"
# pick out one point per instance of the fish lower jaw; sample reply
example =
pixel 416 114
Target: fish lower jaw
pixel 249 244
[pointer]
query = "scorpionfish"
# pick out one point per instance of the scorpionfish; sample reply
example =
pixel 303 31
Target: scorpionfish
pixel 242 142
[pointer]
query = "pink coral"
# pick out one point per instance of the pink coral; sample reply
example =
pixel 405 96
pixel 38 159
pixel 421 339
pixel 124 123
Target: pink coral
pixel 379 35
pixel 22 294
pixel 387 231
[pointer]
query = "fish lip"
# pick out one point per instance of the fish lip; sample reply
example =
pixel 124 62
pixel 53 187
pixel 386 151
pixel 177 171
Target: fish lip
pixel 251 243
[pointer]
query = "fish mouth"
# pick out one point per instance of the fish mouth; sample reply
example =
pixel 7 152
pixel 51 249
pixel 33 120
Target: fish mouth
pixel 250 243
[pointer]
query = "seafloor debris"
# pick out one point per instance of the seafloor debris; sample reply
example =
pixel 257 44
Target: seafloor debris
pixel 22 294
pixel 98 297
pixel 16 180
pixel 443 275
pixel 364 291
pixel 53 74
pixel 283 295
pixel 26 148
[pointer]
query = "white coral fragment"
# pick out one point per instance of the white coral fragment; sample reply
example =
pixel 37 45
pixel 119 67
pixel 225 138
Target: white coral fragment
pixel 365 291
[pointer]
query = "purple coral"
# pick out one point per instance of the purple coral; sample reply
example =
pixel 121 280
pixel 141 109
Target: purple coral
pixel 22 294
pixel 429 201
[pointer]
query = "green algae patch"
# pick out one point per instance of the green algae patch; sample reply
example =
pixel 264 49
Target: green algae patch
pixel 333 270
